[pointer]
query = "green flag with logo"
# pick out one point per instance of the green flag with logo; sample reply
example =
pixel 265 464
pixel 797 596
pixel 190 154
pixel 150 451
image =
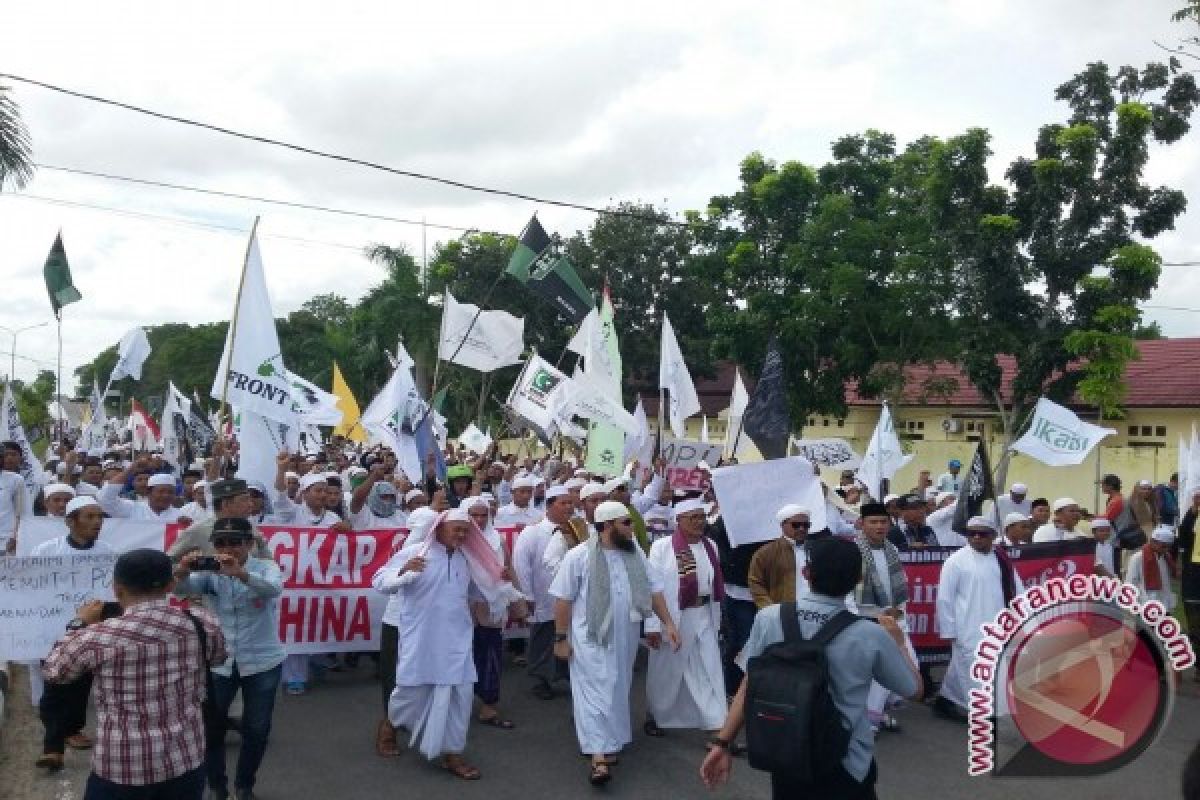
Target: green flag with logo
pixel 538 267
pixel 58 277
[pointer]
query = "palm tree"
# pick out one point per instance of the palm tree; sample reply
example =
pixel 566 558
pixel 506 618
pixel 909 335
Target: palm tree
pixel 16 151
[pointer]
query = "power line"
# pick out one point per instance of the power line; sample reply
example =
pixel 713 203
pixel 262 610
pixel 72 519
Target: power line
pixel 457 184
pixel 1173 308
pixel 253 198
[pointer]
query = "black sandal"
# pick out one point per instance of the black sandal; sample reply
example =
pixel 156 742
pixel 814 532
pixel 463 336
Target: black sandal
pixel 599 775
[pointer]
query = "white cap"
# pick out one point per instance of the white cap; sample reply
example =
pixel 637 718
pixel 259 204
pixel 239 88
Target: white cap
pixel 593 489
pixel 310 480
pixel 556 491
pixel 81 502
pixel 289 475
pixel 1062 503
pixel 523 482
pixel 791 510
pixel 575 483
pixel 981 522
pixel 58 488
pixel 1014 518
pixel 413 494
pixel 1164 534
pixel 478 500
pixel 161 479
pixel 1100 522
pixel 687 506
pixel 419 522
pixel 889 498
pixel 610 510
pixel 1019 488
pixel 457 515
pixel 1145 484
pixel 85 488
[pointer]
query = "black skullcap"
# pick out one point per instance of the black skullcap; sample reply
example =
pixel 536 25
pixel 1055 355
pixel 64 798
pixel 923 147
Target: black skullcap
pixel 232 526
pixel 873 510
pixel 227 487
pixel 143 570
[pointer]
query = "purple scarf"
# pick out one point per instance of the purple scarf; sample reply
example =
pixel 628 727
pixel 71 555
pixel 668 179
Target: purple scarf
pixel 689 584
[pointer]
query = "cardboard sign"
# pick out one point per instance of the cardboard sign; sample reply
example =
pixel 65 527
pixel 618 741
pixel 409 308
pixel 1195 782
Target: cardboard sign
pixel 750 494
pixel 682 456
pixel 39 596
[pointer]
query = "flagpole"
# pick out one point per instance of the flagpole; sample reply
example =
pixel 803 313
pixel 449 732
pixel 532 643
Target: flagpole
pixel 58 380
pixel 237 304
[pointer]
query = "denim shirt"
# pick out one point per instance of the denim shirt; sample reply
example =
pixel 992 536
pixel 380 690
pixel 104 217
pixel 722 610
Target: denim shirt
pixel 248 612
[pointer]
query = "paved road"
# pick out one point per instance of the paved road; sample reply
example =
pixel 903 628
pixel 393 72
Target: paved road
pixel 322 748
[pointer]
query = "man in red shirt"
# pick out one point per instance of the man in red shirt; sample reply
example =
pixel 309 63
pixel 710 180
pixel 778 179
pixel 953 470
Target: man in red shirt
pixel 1111 486
pixel 149 681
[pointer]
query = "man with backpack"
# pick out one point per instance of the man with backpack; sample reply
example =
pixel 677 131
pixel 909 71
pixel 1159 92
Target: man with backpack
pixel 804 698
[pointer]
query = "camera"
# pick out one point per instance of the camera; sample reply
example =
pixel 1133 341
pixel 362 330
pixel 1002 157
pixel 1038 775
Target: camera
pixel 206 564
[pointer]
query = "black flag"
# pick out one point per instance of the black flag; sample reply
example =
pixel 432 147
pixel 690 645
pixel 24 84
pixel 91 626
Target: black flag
pixel 537 265
pixel 766 419
pixel 976 487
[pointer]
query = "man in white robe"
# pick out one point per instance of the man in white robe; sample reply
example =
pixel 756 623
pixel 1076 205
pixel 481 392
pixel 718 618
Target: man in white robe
pixel 1150 568
pixel 1062 526
pixel 435 671
pixel 603 590
pixel 685 689
pixel 521 511
pixel 157 508
pixel 976 583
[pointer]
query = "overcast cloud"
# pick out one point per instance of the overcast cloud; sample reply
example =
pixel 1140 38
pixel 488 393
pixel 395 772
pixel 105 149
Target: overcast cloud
pixel 594 104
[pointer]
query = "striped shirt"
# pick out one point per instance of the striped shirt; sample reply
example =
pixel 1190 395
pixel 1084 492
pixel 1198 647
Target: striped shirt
pixel 149 684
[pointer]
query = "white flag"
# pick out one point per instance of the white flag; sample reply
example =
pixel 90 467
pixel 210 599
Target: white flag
pixel 485 341
pixel 251 368
pixel 474 439
pixel 673 376
pixel 95 436
pixel 884 456
pixel 131 355
pixel 30 469
pixel 392 418
pixel 317 406
pixel 704 429
pixel 1056 436
pixel 639 446
pixel 403 359
pixel 174 426
pixel 738 401
pixel 259 440
pixel 541 395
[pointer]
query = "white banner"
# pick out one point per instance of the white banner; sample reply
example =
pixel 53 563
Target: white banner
pixel 482 340
pixel 1056 436
pixel 673 376
pixel 132 353
pixel 884 456
pixel 39 596
pixel 750 494
pixel 828 452
pixel 119 534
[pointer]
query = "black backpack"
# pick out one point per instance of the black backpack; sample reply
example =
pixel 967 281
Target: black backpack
pixel 792 726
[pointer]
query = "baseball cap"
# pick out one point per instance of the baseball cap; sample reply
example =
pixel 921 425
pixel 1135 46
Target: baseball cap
pixel 143 570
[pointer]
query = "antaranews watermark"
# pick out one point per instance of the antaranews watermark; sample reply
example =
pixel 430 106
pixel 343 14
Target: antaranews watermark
pixel 1076 677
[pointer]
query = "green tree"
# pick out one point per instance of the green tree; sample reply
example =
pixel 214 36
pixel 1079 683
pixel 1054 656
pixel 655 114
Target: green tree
pixel 16 150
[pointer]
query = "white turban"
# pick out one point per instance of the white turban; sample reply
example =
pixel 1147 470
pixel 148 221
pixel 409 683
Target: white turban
pixel 523 482
pixel 789 511
pixel 687 506
pixel 58 488
pixel 556 491
pixel 593 489
pixel 981 522
pixel 312 479
pixel 575 483
pixel 1014 518
pixel 457 515
pixel 161 479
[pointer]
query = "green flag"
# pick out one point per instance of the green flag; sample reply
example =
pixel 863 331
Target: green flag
pixel 535 264
pixel 58 277
pixel 606 442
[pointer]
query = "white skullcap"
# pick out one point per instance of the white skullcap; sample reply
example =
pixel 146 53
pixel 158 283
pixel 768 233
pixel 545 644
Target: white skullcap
pixel 310 480
pixel 419 523
pixel 58 488
pixel 289 475
pixel 942 496
pixel 85 488
pixel 610 510
pixel 593 489
pixel 61 469
pixel 931 494
pixel 1144 484
pixel 556 491
pixel 1164 534
pixel 412 494
pixel 199 485
pixel 1062 503
pixel 890 498
pixel 523 482
pixel 687 506
pixel 1014 518
pixel 616 483
pixel 81 502
pixel 789 511
pixel 161 479
pixel 1101 522
pixel 457 515
pixel 488 496
pixel 981 522
pixel 703 465
pixel 1019 488
pixel 575 483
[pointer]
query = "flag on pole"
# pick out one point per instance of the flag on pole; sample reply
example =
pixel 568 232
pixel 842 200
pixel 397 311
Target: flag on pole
pixel 145 432
pixel 1056 436
pixel 738 400
pixel 174 426
pixel 766 419
pixel 481 340
pixel 403 359
pixel 132 353
pixel 640 446
pixel 600 380
pixel 316 406
pixel 251 373
pixel 95 433
pixel 260 439
pixel 537 267
pixel 12 431
pixel 392 418
pixel 57 273
pixel 977 487
pixel 350 426
pixel 673 376
pixel 540 396
pixel 884 456
pixel 474 439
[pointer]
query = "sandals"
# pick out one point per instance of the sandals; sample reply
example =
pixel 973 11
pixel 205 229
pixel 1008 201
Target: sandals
pixel 651 729
pixel 496 722
pixel 599 774
pixel 386 744
pixel 461 769
pixel 609 761
pixel 889 724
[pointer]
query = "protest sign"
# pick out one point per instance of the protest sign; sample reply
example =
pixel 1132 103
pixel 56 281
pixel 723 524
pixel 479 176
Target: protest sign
pixel 119 534
pixel 750 494
pixel 682 456
pixel 830 453
pixel 39 596
pixel 1034 563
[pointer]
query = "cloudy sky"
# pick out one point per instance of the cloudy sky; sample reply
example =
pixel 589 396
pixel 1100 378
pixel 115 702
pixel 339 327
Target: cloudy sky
pixel 591 103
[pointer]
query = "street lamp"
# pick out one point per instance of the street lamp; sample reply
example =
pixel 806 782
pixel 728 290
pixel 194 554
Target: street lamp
pixel 12 352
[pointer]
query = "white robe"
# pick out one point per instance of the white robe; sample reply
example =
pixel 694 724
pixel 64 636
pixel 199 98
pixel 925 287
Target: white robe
pixel 942 523
pixel 1135 573
pixel 601 675
pixel 686 689
pixel 114 505
pixel 435 671
pixel 969 594
pixel 532 573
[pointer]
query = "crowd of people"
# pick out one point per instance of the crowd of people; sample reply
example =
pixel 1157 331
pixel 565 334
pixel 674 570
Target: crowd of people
pixel 600 568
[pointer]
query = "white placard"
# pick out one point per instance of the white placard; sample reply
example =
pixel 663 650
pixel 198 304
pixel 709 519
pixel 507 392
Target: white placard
pixel 119 534
pixel 750 494
pixel 39 596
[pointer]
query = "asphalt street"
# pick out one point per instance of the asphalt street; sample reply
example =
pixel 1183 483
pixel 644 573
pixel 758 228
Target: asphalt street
pixel 322 747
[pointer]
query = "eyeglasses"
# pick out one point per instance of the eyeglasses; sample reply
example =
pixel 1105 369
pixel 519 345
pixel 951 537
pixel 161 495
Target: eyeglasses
pixel 800 525
pixel 981 534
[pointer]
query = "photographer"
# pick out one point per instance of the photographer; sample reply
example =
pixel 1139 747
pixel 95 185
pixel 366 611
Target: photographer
pixel 148 666
pixel 243 591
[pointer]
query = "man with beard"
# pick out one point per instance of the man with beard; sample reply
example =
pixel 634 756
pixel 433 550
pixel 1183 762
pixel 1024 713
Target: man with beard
pixel 602 591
